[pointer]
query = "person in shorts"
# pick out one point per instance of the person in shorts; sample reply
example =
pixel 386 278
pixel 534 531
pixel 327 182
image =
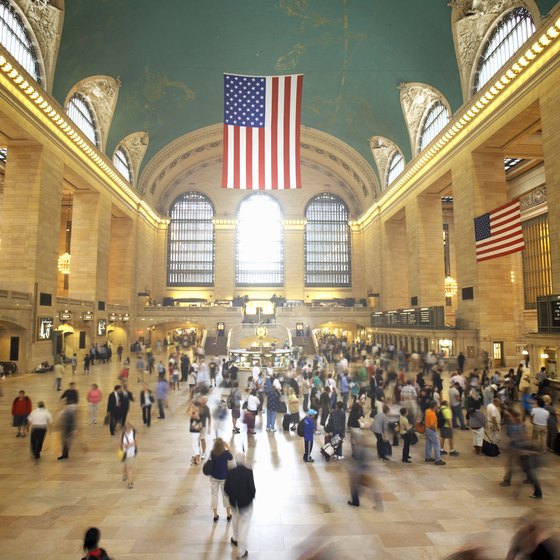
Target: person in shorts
pixel 446 431
pixel 21 408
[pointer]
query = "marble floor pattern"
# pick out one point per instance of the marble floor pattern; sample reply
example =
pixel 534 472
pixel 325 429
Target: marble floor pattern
pixel 429 511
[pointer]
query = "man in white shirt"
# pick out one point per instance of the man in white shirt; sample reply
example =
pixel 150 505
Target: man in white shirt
pixel 38 420
pixel 540 415
pixel 457 378
pixel 494 420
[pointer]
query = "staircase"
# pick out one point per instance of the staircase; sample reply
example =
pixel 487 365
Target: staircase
pixel 306 342
pixel 215 346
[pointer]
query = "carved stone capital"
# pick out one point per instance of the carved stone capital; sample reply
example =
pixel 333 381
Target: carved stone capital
pixel 472 21
pixel 534 198
pixel 136 145
pixel 416 99
pixel 102 92
pixel 46 26
pixel 382 149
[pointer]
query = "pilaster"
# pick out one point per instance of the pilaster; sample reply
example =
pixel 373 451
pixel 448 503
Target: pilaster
pixel 424 232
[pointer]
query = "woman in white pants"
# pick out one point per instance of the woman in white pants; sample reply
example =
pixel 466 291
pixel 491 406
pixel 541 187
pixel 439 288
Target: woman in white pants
pixel 220 455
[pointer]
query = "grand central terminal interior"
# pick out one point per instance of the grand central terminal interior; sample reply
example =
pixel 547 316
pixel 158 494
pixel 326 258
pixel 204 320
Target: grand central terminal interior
pixel 422 125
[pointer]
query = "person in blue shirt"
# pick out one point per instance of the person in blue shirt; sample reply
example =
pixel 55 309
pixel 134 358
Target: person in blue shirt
pixel 345 389
pixel 309 427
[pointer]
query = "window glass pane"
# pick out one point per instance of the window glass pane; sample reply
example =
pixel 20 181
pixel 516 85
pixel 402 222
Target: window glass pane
pixel 16 40
pixel 508 36
pixel 537 267
pixel 433 124
pixel 396 167
pixel 82 115
pixel 260 242
pixel 327 242
pixel 191 244
pixel 120 161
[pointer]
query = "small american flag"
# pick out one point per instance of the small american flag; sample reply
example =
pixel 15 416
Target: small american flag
pixel 499 232
pixel 262 116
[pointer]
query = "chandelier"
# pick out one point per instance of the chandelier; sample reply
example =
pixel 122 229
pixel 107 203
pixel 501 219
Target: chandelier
pixel 450 286
pixel 64 263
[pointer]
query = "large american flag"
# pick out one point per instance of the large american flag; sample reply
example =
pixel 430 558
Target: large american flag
pixel 499 232
pixel 262 116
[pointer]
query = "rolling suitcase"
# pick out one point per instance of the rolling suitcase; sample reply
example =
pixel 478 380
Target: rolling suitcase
pixel 286 422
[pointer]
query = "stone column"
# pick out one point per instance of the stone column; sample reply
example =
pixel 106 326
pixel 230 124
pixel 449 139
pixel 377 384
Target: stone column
pixel 479 186
pixel 30 220
pixel 225 260
pixel 394 293
pixel 122 261
pixel 91 233
pixel 294 275
pixel 424 233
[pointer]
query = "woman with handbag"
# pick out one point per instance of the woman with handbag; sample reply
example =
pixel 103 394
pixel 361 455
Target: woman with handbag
pixel 128 450
pixel 251 411
pixel 219 457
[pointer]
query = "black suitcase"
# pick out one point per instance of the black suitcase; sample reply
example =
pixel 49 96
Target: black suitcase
pixel 286 422
pixel 490 449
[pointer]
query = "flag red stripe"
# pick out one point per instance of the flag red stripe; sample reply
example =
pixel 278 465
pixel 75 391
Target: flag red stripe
pixel 498 246
pixel 236 156
pixel 249 158
pixel 297 125
pixel 274 134
pixel 501 254
pixel 287 95
pixel 225 164
pixel 261 159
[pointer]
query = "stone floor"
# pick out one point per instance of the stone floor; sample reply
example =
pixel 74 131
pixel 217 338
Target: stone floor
pixel 429 511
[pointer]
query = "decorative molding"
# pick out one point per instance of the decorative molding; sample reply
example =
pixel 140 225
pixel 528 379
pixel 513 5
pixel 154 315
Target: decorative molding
pixel 46 22
pixel 472 21
pixel 534 198
pixel 416 99
pixel 205 144
pixel 102 92
pixel 135 145
pixel 382 149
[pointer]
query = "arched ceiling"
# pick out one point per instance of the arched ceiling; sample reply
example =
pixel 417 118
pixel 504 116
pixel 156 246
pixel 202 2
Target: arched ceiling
pixel 170 57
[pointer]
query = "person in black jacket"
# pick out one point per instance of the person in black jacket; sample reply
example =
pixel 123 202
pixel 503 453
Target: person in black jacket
pixel 240 488
pixel 337 423
pixel 114 408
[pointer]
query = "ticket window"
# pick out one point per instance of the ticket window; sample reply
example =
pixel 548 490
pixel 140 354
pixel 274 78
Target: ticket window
pixel 498 353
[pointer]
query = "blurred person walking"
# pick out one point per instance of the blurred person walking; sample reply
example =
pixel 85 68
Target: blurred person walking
pixel 129 447
pixel 219 456
pixel 240 488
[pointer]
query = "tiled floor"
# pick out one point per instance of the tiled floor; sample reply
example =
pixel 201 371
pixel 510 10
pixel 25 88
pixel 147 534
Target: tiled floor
pixel 428 512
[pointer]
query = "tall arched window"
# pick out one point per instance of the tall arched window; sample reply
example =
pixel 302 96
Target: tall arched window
pixel 260 242
pixel 122 162
pixel 81 113
pixel 434 122
pixel 17 41
pixel 510 33
pixel 395 167
pixel 190 247
pixel 327 242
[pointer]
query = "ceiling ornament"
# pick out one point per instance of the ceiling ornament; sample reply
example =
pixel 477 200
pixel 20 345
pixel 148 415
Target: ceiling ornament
pixel 382 149
pixel 136 145
pixel 206 143
pixel 416 99
pixel 46 23
pixel 102 92
pixel 471 23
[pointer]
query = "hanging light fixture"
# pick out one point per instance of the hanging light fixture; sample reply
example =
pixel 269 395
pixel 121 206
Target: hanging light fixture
pixel 450 286
pixel 65 259
pixel 64 263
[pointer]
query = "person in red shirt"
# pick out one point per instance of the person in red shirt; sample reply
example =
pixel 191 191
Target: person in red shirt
pixel 21 408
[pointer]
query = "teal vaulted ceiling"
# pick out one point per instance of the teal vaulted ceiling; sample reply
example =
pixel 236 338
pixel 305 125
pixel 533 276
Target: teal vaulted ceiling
pixel 171 55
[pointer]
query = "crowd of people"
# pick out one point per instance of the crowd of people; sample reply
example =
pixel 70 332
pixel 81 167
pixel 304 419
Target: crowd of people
pixel 358 402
